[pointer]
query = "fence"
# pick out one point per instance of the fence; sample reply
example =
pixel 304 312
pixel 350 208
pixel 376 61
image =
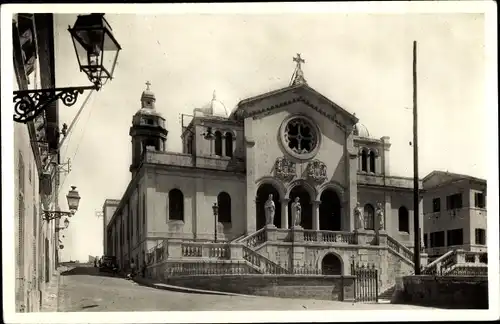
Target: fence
pixel 366 282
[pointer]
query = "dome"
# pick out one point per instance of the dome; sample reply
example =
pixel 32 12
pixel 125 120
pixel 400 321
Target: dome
pixel 361 130
pixel 148 112
pixel 214 108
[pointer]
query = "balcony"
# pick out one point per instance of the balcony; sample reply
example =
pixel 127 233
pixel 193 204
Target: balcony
pixel 190 161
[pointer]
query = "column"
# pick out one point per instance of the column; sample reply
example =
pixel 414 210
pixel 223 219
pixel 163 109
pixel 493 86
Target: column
pixel 284 212
pixel 315 214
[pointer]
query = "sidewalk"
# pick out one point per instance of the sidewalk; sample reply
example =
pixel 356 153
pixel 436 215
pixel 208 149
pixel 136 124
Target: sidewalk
pixel 158 285
pixel 50 295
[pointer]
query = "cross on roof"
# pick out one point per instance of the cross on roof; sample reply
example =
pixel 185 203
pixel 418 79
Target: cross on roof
pixel 147 85
pixel 299 60
pixel 298 75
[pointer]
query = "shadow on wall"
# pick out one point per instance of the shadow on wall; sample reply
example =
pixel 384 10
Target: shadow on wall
pixel 444 292
pixel 87 271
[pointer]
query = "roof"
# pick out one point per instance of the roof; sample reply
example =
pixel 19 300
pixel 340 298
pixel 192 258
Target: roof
pixel 445 177
pixel 243 103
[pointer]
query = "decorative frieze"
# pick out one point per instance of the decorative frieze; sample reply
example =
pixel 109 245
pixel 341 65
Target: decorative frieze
pixel 316 170
pixel 285 169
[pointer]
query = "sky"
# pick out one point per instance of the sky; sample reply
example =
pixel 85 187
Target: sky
pixel 363 62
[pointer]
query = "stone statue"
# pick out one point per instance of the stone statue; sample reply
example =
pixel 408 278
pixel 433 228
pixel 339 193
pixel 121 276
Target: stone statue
pixel 380 216
pixel 270 209
pixel 358 213
pixel 296 212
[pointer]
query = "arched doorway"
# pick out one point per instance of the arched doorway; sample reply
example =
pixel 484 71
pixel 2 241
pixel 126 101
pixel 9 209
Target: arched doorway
pixel 331 265
pixel 330 211
pixel 262 195
pixel 305 203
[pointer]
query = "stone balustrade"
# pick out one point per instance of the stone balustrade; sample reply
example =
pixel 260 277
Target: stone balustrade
pixel 202 250
pixel 458 262
pixel 188 160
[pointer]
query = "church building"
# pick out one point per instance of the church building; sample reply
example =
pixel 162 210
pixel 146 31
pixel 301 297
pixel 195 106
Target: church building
pixel 290 143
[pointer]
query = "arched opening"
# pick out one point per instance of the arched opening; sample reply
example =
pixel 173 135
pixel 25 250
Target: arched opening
pixel 175 205
pixel 403 219
pixel 305 203
pixel 364 161
pixel 229 144
pixel 331 265
pixel 218 143
pixel 224 203
pixel 330 211
pixel 372 161
pixel 263 193
pixel 369 215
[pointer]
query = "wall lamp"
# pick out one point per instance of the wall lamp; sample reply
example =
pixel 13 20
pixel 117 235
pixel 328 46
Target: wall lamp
pixel 92 38
pixel 73 201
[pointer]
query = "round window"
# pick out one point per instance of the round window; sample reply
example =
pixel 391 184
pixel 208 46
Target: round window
pixel 300 137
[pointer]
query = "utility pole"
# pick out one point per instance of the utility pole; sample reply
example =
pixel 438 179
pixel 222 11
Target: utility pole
pixel 416 198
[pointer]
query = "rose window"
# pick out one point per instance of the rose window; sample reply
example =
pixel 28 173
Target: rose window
pixel 300 136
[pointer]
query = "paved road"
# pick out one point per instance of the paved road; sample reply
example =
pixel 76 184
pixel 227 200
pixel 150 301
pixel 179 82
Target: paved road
pixel 85 290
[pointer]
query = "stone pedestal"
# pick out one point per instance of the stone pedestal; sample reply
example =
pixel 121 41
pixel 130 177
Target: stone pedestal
pixel 297 233
pixel 271 233
pixel 362 237
pixel 174 248
pixel 236 251
pixel 382 237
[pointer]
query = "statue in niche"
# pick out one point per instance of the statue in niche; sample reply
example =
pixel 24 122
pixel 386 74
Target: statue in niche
pixel 358 213
pixel 380 216
pixel 296 211
pixel 270 209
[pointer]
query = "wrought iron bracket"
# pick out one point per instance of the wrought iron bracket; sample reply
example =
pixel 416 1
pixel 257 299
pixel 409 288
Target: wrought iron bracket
pixel 28 104
pixel 55 214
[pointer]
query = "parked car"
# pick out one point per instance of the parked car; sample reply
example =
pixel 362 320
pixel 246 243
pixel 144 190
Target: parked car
pixel 108 264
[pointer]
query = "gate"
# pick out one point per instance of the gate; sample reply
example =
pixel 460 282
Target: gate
pixel 366 282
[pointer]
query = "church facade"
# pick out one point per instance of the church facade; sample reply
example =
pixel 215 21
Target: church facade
pixel 289 143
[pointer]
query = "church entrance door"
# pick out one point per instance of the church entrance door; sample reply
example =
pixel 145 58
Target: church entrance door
pixel 330 211
pixel 305 203
pixel 262 195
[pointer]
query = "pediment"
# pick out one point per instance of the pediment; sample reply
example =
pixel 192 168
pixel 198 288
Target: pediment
pixel 271 102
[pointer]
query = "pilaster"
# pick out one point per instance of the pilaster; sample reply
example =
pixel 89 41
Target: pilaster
pixel 251 177
pixel 352 161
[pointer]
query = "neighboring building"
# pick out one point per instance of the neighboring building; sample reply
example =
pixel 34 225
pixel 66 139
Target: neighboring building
pixel 108 209
pixel 454 213
pixel 292 142
pixel 34 143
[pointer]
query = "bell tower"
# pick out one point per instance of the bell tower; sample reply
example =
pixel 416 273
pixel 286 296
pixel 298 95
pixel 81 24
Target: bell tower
pixel 148 130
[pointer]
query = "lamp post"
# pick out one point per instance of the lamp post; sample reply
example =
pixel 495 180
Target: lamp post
pixel 92 38
pixel 215 208
pixel 73 201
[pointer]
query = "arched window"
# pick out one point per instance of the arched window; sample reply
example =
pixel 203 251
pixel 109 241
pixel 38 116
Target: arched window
pixel 369 217
pixel 364 161
pixel 403 219
pixel 175 205
pixel 224 203
pixel 372 161
pixel 229 144
pixel 218 143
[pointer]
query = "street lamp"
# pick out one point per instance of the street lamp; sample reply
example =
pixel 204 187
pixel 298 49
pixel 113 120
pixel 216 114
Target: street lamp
pixel 66 225
pixel 73 201
pixel 215 208
pixel 92 38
